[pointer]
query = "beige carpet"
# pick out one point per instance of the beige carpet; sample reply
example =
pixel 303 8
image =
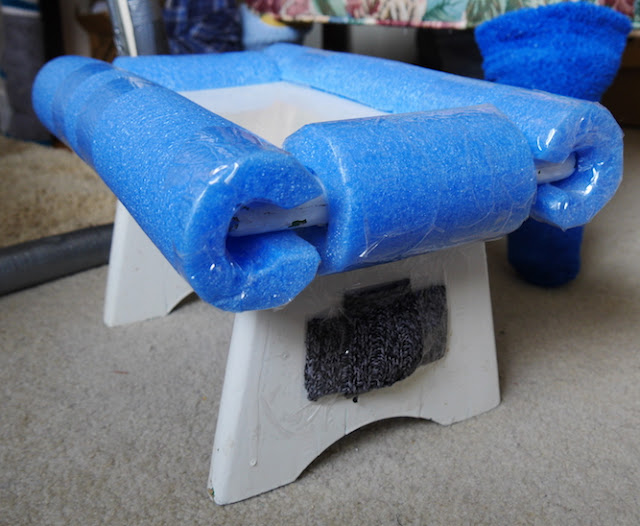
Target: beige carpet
pixel 47 191
pixel 115 426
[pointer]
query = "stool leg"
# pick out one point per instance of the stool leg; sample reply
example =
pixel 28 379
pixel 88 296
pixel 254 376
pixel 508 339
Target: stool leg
pixel 141 283
pixel 268 432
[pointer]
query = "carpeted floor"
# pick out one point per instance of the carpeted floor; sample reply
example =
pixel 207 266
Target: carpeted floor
pixel 115 426
pixel 47 191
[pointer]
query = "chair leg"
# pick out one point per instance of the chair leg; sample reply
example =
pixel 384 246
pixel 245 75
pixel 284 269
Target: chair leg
pixel 268 431
pixel 141 283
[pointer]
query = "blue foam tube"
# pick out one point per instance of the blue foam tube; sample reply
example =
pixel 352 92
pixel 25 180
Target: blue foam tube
pixel 182 171
pixel 396 185
pixel 554 126
pixel 407 184
pixel 207 71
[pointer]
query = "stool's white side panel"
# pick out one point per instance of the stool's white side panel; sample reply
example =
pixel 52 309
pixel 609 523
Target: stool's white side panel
pixel 268 431
pixel 141 283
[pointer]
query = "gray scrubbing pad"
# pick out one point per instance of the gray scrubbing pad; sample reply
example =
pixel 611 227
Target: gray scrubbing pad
pixel 382 335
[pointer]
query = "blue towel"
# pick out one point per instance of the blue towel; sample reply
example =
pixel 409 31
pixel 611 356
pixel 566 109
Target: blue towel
pixel 571 49
pixel 260 31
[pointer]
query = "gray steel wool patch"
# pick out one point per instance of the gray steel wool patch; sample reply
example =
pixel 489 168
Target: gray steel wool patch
pixel 381 336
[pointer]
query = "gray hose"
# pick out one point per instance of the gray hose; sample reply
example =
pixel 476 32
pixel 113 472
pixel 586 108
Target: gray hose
pixel 35 262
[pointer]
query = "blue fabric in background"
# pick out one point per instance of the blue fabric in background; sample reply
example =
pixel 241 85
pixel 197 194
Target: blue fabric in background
pixel 571 49
pixel 258 34
pixel 218 26
pixel 202 26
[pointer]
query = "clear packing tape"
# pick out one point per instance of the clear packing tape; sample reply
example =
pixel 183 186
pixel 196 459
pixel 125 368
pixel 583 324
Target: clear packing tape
pixel 456 160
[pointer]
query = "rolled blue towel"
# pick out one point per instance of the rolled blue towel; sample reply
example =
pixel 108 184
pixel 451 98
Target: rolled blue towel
pixel 572 49
pixel 260 31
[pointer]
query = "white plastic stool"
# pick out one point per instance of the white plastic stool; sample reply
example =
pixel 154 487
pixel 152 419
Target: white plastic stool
pixel 141 283
pixel 268 432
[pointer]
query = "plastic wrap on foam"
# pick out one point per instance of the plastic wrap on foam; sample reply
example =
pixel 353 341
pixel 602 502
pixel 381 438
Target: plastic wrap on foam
pixel 402 185
pixel 182 171
pixel 555 127
pixel 396 185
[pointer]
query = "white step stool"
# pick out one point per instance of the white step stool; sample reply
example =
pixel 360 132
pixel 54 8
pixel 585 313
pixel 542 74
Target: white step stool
pixel 268 431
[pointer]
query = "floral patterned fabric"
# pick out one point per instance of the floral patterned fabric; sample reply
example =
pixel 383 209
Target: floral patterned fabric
pixel 458 14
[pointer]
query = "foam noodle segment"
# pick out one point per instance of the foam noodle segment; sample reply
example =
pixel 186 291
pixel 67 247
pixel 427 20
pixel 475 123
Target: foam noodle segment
pixel 440 178
pixel 182 171
pixel 555 127
pixel 407 184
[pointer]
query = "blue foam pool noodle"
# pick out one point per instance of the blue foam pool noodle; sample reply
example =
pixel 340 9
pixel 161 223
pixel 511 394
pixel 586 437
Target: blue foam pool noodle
pixel 555 127
pixel 182 172
pixel 209 71
pixel 407 184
